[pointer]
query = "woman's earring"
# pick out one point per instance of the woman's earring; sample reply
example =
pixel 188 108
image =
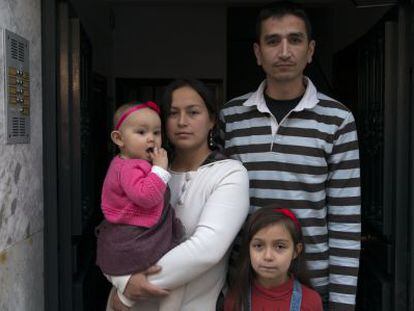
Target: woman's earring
pixel 211 140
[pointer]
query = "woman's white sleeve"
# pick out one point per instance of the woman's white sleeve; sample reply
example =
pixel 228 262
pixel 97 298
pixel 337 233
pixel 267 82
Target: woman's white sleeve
pixel 221 219
pixel 120 282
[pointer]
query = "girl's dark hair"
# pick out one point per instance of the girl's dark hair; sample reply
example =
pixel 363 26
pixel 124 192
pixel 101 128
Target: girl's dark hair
pixel 241 281
pixel 204 93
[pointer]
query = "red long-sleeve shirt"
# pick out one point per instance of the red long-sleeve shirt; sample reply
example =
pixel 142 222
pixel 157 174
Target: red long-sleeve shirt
pixel 278 298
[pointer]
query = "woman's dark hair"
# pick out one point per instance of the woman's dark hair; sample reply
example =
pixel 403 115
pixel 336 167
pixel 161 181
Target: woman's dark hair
pixel 280 9
pixel 241 281
pixel 204 93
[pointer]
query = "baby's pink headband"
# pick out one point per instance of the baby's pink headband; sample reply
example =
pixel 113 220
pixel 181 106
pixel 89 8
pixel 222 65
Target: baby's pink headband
pixel 289 214
pixel 148 104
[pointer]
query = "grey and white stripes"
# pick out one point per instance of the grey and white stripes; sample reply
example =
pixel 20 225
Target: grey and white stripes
pixel 310 164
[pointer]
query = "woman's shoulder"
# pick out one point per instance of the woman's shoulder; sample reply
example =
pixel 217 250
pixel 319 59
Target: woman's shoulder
pixel 227 168
pixel 311 300
pixel 219 160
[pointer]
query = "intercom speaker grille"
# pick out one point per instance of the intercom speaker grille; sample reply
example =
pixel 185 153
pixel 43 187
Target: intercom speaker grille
pixel 21 51
pixel 17 50
pixel 17 88
pixel 22 127
pixel 15 127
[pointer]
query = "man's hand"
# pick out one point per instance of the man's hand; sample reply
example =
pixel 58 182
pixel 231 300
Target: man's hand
pixel 139 288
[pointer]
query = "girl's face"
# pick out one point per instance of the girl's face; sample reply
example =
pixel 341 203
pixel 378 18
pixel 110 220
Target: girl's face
pixel 139 134
pixel 188 122
pixel 271 253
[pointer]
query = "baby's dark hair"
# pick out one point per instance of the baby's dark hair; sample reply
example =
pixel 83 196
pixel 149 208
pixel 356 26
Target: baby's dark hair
pixel 262 218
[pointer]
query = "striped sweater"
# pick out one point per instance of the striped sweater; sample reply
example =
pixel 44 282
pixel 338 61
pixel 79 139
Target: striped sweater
pixel 310 164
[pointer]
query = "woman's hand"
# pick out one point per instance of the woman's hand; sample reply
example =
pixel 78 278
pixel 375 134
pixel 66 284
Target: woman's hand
pixel 117 304
pixel 139 288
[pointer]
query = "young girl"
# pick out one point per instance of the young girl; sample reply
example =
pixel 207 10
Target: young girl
pixel 271 273
pixel 139 226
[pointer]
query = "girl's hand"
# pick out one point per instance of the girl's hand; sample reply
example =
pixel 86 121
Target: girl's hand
pixel 139 288
pixel 159 157
pixel 117 304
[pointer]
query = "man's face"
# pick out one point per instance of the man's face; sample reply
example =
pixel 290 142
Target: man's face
pixel 284 49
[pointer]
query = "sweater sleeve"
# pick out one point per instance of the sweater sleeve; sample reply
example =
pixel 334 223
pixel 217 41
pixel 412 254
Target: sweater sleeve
pixel 144 188
pixel 222 217
pixel 344 217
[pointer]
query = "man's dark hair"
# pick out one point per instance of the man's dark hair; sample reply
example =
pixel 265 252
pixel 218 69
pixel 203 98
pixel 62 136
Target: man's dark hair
pixel 279 10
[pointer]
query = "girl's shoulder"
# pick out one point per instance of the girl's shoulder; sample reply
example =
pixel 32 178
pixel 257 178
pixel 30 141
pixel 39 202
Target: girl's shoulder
pixel 311 300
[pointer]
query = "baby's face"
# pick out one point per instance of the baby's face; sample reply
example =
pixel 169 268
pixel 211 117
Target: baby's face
pixel 141 132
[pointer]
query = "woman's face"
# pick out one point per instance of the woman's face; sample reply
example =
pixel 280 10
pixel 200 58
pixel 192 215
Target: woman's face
pixel 188 122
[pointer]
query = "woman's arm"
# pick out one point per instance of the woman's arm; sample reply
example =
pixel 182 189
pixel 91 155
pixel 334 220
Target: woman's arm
pixel 221 219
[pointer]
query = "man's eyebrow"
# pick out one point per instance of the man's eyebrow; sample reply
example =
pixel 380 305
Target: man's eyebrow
pixel 297 34
pixel 272 36
pixel 291 34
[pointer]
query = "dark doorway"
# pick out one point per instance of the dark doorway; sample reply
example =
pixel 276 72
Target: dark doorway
pixel 77 155
pixel 77 151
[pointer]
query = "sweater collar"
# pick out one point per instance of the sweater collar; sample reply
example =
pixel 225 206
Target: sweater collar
pixel 279 292
pixel 308 101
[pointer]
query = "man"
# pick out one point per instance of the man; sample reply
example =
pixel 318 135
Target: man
pixel 301 150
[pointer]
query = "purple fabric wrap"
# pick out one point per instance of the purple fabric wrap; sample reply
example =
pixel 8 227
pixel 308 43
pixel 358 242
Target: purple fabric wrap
pixel 125 249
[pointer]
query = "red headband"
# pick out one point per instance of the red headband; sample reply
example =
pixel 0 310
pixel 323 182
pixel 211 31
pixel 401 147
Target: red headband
pixel 148 104
pixel 288 213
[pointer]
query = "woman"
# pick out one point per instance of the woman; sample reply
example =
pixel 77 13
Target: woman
pixel 210 195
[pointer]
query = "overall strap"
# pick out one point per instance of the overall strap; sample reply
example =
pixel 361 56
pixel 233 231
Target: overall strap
pixel 296 299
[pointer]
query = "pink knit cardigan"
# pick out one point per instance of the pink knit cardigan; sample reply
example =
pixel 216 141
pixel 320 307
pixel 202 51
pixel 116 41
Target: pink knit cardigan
pixel 132 194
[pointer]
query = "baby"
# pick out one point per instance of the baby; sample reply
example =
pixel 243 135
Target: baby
pixel 139 225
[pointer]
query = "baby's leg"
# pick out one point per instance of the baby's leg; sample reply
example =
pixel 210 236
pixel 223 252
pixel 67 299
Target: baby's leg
pixel 174 301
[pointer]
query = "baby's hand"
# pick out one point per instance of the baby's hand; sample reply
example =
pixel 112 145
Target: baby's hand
pixel 159 157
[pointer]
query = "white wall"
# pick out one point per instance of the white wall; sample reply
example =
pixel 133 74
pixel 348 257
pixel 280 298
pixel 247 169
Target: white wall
pixel 21 182
pixel 170 41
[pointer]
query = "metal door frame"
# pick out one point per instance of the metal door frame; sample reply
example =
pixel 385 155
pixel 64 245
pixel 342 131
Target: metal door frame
pixel 50 171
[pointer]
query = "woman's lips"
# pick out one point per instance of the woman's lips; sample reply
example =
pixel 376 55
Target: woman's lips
pixel 182 134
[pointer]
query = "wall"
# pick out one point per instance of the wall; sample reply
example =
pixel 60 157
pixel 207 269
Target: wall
pixel 95 16
pixel 170 41
pixel 21 183
pixel 167 41
pixel 351 23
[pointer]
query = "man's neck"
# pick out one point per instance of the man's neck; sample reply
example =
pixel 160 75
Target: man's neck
pixel 285 90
